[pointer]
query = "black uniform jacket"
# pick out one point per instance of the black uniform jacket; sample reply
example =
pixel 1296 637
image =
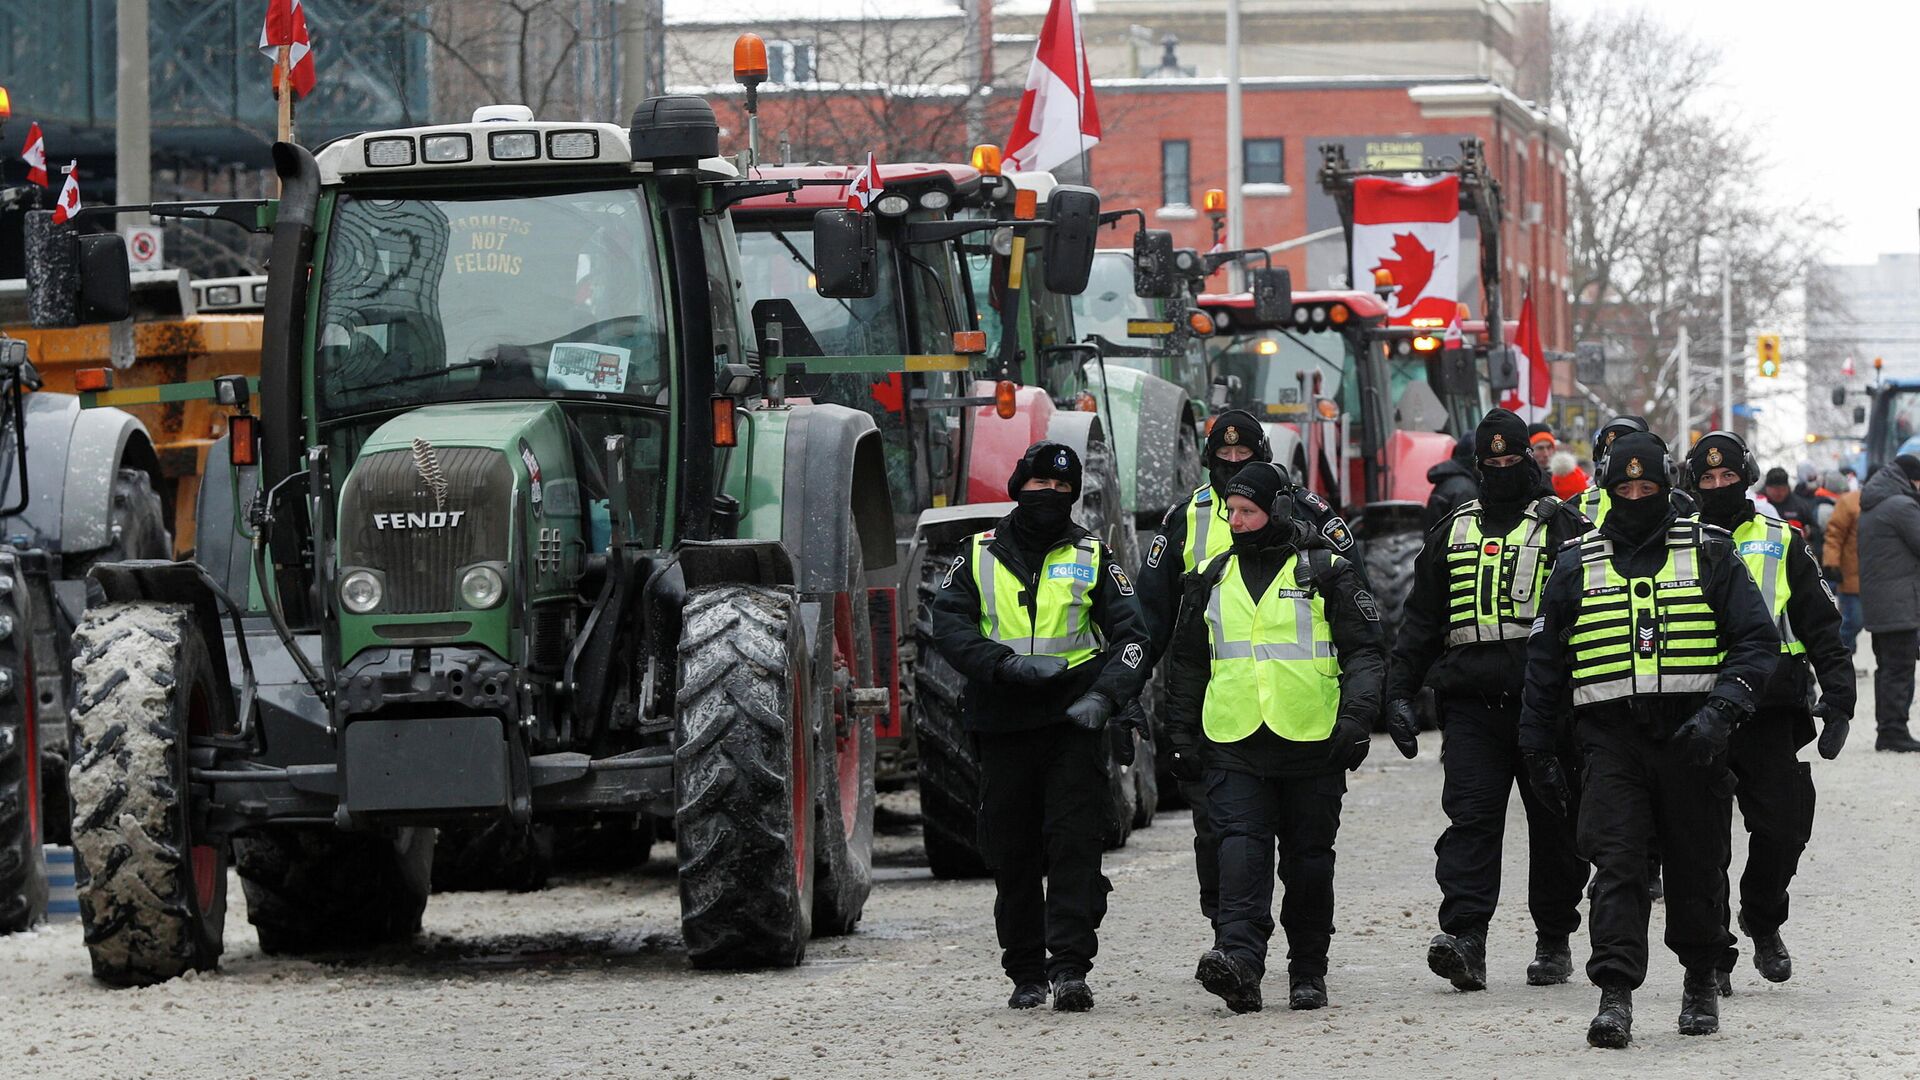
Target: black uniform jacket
pixel 1118 671
pixel 1814 615
pixel 1354 620
pixel 1480 670
pixel 1746 634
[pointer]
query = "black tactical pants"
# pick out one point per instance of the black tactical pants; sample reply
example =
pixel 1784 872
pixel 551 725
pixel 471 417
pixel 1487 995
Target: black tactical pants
pixel 1043 797
pixel 1894 653
pixel 1638 791
pixel 1481 759
pixel 1299 817
pixel 1776 802
pixel 1206 849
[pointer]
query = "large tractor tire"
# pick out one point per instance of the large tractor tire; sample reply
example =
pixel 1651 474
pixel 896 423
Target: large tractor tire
pixel 501 855
pixel 315 890
pixel 1388 561
pixel 1099 510
pixel 949 775
pixel 1122 801
pixel 743 789
pixel 1146 781
pixel 23 864
pixel 138 525
pixel 844 799
pixel 153 893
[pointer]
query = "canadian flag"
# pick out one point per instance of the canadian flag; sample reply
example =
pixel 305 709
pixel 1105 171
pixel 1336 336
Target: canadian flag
pixel 35 155
pixel 68 204
pixel 1534 396
pixel 865 185
pixel 287 25
pixel 1412 231
pixel 1057 121
pixel 1455 338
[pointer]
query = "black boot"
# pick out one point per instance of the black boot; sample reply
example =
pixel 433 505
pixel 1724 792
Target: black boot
pixel 1724 979
pixel 1071 994
pixel 1306 992
pixel 1028 996
pixel 1700 1003
pixel 1896 740
pixel 1552 961
pixel 1461 959
pixel 1230 981
pixel 1612 1027
pixel 1770 957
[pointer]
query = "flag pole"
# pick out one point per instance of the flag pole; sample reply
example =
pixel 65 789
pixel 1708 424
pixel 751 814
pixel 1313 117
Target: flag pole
pixel 283 90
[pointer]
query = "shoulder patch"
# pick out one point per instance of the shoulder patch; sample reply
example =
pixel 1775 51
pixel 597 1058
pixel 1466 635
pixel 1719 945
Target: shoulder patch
pixel 1156 549
pixel 1363 600
pixel 958 562
pixel 1312 500
pixel 1133 654
pixel 1120 578
pixel 1338 536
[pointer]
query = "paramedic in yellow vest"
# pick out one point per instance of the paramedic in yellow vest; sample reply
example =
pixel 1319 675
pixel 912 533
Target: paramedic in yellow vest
pixel 1657 631
pixel 1776 788
pixel 1275 683
pixel 1477 588
pixel 1046 629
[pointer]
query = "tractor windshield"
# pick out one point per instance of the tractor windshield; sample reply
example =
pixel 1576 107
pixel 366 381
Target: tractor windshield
pixel 778 264
pixel 1275 369
pixel 1899 432
pixel 426 300
pixel 1109 303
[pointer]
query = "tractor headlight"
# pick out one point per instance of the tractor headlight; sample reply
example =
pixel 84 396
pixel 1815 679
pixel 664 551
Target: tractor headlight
pixel 482 587
pixel 361 591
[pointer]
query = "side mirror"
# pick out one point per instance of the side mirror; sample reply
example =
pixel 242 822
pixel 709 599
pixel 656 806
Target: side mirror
pixel 1503 370
pixel 1859 414
pixel 1068 248
pixel 1153 264
pixel 1272 296
pixel 106 283
pixel 1456 372
pixel 846 254
pixel 1839 396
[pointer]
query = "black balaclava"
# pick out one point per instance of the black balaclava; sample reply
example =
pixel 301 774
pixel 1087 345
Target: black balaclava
pixel 1722 506
pixel 1266 486
pixel 1235 427
pixel 1043 517
pixel 1613 429
pixel 1504 487
pixel 1637 455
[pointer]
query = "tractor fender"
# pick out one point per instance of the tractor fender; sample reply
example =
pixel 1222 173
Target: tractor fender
pixel 1076 429
pixel 74 456
pixel 834 461
pixel 1409 455
pixel 1160 409
pixel 995 446
pixel 1285 441
pixel 944 526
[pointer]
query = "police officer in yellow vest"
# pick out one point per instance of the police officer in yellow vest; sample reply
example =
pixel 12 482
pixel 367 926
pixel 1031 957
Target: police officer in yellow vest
pixel 1047 630
pixel 1776 788
pixel 1593 502
pixel 1275 682
pixel 1477 587
pixel 1193 532
pixel 1658 631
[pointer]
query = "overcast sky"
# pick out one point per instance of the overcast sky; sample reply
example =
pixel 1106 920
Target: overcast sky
pixel 1831 87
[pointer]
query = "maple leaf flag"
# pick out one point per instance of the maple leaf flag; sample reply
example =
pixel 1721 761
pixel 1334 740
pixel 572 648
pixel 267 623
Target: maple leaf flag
pixel 1411 229
pixel 69 202
pixel 865 185
pixel 1455 337
pixel 1534 396
pixel 35 155
pixel 287 25
pixel 1057 121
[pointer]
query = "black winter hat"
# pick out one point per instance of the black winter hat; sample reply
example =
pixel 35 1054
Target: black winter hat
pixel 1777 477
pixel 1501 432
pixel 1613 429
pixel 1265 485
pixel 1046 460
pixel 1238 427
pixel 1636 455
pixel 1909 465
pixel 1717 450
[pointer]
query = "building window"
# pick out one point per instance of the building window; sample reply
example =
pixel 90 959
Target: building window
pixel 1176 172
pixel 789 62
pixel 1264 160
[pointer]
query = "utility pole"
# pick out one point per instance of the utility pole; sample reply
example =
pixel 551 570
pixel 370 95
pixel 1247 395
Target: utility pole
pixel 1236 164
pixel 976 56
pixel 638 59
pixel 1726 336
pixel 133 119
pixel 1680 442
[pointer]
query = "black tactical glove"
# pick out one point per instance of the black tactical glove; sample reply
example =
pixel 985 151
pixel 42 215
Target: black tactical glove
pixel 1404 727
pixel 1548 782
pixel 1091 712
pixel 1185 764
pixel 1703 738
pixel 1120 732
pixel 1832 574
pixel 1030 670
pixel 1834 726
pixel 1351 742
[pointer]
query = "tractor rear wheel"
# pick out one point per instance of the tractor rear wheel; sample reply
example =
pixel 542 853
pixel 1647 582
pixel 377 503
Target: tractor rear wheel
pixel 317 890
pixel 153 892
pixel 844 801
pixel 1388 561
pixel 743 791
pixel 1146 781
pixel 498 855
pixel 1121 803
pixel 138 522
pixel 949 775
pixel 23 864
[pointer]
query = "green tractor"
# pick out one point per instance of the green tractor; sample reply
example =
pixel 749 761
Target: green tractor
pixel 508 531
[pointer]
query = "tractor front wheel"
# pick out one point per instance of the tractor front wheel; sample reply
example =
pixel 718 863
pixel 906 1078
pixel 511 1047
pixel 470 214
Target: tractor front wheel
pixel 23 866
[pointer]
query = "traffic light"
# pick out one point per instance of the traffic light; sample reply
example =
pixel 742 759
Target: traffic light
pixel 1767 348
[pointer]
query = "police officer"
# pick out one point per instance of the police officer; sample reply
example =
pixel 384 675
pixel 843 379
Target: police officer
pixel 1193 532
pixel 1666 643
pixel 1047 630
pixel 1775 788
pixel 1476 589
pixel 1592 503
pixel 1276 674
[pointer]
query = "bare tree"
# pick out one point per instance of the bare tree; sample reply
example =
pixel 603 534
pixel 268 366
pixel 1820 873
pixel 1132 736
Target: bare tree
pixel 554 56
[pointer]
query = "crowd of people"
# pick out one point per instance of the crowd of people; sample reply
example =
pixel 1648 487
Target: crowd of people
pixel 1638 649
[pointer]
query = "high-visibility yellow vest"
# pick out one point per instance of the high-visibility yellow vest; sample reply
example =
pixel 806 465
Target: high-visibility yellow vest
pixel 1494 582
pixel 1593 504
pixel 1762 544
pixel 1207 532
pixel 1652 635
pixel 1059 620
pixel 1273 660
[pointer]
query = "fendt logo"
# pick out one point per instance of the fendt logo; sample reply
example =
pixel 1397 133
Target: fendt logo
pixel 437 519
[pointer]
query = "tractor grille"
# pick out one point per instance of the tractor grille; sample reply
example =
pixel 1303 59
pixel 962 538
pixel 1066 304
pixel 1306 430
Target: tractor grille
pixel 548 639
pixel 418 525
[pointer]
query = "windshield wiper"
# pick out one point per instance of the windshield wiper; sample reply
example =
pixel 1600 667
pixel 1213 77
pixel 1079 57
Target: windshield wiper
pixel 487 362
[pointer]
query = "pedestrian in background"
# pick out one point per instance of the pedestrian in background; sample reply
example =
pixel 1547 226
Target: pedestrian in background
pixel 1569 479
pixel 1840 564
pixel 1453 482
pixel 1889 556
pixel 1542 445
